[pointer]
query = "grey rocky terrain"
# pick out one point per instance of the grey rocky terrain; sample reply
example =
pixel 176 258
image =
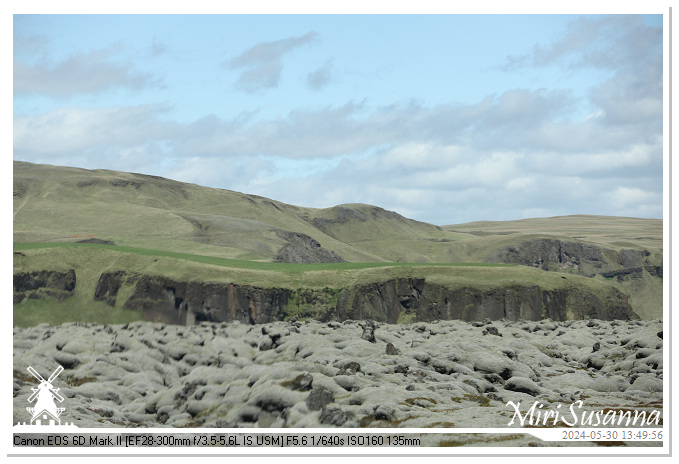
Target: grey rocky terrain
pixel 304 374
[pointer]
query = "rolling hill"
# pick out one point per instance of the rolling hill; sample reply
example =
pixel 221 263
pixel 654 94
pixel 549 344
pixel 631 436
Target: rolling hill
pixel 136 215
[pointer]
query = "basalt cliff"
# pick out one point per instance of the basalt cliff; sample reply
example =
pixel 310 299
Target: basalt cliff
pixel 399 300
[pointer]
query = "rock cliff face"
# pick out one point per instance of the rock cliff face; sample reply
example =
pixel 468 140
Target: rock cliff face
pixel 39 284
pixel 300 248
pixel 415 300
pixel 161 299
pixel 581 258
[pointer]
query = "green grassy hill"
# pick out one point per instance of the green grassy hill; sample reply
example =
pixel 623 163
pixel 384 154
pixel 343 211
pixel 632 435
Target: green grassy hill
pixel 55 204
pixel 141 216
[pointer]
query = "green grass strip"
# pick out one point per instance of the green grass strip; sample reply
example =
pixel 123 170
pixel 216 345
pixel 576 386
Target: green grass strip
pixel 242 264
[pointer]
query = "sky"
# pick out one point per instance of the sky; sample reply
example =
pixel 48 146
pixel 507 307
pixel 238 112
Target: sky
pixel 443 118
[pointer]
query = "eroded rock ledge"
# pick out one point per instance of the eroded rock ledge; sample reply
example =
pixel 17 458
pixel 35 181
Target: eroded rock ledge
pixel 398 300
pixel 578 257
pixel 162 299
pixel 410 300
pixel 46 283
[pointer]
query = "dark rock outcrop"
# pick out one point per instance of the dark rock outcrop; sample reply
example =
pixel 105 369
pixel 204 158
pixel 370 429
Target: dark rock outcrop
pixel 577 257
pixel 340 215
pixel 551 254
pixel 98 241
pixel 162 299
pixel 388 301
pixel 369 331
pixel 108 285
pixel 46 283
pixel 634 272
pixel 381 301
pixel 319 399
pixel 300 249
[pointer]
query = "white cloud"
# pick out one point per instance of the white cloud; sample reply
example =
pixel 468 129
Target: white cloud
pixel 521 183
pixel 612 41
pixel 594 115
pixel 630 51
pixel 78 130
pixel 79 74
pixel 262 64
pixel 319 78
pixel 425 155
pixel 631 161
pixel 626 197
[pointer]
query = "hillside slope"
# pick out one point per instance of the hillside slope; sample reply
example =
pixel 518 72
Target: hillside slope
pixel 57 204
pixel 68 205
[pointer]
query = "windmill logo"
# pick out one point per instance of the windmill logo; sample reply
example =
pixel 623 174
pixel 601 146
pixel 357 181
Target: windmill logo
pixel 45 411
